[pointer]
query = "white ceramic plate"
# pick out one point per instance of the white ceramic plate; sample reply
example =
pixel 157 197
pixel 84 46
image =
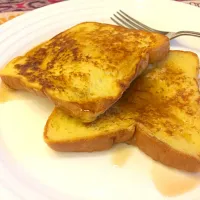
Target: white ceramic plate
pixel 30 170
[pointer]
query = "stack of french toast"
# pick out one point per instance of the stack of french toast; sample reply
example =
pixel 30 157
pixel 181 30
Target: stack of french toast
pixel 111 85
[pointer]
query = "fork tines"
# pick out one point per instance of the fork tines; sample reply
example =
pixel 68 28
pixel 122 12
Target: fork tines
pixel 123 19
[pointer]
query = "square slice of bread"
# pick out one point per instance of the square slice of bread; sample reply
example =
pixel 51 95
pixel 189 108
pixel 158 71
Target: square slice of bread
pixel 85 69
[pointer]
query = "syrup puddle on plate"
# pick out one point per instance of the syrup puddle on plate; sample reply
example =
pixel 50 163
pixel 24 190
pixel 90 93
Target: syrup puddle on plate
pixel 6 94
pixel 170 182
pixel 121 154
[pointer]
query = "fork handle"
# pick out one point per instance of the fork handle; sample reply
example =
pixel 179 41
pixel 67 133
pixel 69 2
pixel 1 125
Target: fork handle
pixel 180 33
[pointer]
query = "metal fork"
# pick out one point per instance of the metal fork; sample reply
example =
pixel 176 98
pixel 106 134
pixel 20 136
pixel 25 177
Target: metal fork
pixel 123 19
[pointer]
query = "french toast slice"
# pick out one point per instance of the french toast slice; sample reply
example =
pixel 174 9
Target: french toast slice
pixel 160 113
pixel 168 102
pixel 85 69
pixel 65 133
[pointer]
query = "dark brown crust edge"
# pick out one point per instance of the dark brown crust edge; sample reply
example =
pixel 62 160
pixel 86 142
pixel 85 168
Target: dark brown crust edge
pixel 160 151
pixel 90 145
pixel 17 84
pixel 160 50
pixel 99 143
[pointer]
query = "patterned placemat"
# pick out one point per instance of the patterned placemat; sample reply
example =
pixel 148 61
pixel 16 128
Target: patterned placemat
pixel 23 5
pixel 13 8
pixel 191 2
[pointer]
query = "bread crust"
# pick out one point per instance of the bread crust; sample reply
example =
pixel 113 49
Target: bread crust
pixel 17 84
pixel 99 143
pixel 162 152
pixel 160 49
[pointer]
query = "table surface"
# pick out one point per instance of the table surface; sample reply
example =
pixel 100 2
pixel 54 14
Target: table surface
pixel 23 5
pixel 9 10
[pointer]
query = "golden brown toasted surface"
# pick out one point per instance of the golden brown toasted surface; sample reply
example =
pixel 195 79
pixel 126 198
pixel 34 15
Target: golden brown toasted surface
pixel 86 68
pixel 167 100
pixel 163 106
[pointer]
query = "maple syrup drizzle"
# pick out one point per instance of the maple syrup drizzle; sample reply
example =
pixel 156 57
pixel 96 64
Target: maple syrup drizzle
pixel 121 155
pixel 170 182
